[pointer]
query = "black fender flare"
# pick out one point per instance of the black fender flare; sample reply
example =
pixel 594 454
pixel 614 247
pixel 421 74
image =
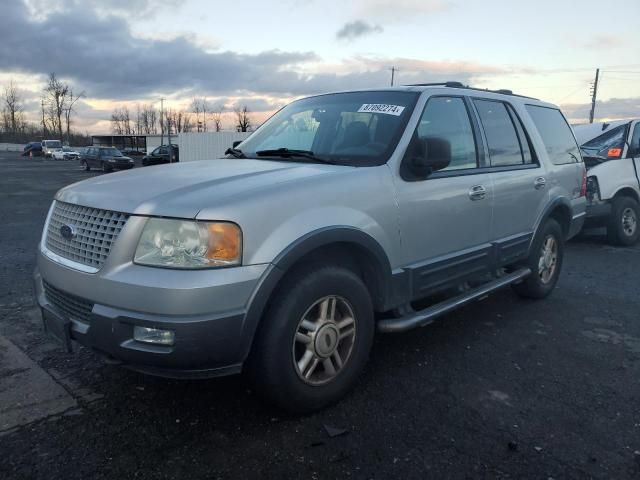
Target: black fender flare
pixel 296 251
pixel 546 213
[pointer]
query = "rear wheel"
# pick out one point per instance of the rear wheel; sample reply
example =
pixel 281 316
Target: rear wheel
pixel 623 228
pixel 545 262
pixel 314 340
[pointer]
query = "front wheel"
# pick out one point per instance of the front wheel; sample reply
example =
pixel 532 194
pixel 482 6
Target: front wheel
pixel 105 168
pixel 314 340
pixel 623 228
pixel 84 164
pixel 545 262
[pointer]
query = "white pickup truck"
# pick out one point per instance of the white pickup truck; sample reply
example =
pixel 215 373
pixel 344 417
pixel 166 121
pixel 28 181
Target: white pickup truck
pixel 611 153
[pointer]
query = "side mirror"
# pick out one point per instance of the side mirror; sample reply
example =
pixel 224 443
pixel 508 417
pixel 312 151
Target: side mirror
pixel 236 143
pixel 427 155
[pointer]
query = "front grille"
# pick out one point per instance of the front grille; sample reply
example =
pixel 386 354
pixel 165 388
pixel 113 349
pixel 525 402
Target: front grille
pixel 95 232
pixel 73 307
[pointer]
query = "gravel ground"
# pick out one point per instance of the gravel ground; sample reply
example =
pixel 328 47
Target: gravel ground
pixel 504 388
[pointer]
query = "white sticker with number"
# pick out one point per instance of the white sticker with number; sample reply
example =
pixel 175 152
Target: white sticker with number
pixel 381 108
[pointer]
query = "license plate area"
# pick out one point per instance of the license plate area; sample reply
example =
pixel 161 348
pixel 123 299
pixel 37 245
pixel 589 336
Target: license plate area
pixel 58 327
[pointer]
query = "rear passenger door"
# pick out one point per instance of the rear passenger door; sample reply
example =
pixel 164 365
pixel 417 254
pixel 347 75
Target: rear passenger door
pixel 519 183
pixel 445 219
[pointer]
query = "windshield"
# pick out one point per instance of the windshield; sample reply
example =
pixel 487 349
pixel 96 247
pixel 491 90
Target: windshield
pixel 356 128
pixel 53 144
pixel 67 149
pixel 110 152
pixel 608 145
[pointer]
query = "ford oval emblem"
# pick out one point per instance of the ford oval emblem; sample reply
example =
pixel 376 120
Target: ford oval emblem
pixel 68 232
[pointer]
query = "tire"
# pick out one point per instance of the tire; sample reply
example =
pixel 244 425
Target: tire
pixel 86 166
pixel 623 227
pixel 285 349
pixel 105 168
pixel 545 262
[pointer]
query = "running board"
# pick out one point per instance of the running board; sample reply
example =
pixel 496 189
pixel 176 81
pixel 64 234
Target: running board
pixel 428 315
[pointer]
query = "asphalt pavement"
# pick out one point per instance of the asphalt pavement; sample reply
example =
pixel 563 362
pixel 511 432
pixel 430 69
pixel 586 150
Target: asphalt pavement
pixel 504 388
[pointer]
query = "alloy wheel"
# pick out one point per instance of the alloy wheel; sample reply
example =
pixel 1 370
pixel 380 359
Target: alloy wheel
pixel 629 221
pixel 324 340
pixel 548 259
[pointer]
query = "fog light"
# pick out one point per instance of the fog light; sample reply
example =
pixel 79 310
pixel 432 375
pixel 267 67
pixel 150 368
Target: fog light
pixel 153 335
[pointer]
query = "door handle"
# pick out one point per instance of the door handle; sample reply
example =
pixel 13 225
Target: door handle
pixel 477 192
pixel 540 183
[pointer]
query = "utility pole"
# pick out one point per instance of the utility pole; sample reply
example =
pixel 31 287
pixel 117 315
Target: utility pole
pixel 44 123
pixel 161 121
pixel 594 93
pixel 393 74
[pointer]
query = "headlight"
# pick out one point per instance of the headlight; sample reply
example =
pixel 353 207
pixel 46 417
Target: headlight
pixel 189 244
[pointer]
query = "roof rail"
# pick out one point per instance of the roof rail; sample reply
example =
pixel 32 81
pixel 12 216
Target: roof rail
pixel 502 91
pixel 438 84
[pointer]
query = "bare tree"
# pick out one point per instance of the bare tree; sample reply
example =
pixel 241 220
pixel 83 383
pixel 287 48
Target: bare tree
pixel 116 122
pixel 138 120
pixel 216 118
pixel 199 107
pixel 57 97
pixel 44 121
pixel 69 111
pixel 12 109
pixel 148 120
pixel 243 121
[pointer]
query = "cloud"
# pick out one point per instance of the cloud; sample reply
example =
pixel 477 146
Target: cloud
pixel 612 109
pixel 398 10
pixel 603 42
pixel 356 29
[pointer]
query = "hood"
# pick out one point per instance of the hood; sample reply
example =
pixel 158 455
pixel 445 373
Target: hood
pixel 183 189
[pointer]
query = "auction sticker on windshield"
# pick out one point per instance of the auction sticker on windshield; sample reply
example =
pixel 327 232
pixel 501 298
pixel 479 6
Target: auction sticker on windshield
pixel 381 108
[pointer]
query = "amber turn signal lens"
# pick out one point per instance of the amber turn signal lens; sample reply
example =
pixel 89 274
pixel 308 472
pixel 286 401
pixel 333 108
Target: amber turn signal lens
pixel 225 242
pixel 614 152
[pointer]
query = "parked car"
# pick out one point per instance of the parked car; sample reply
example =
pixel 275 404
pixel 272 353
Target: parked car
pixel 132 152
pixel 50 146
pixel 33 148
pixel 105 158
pixel 67 153
pixel 162 154
pixel 612 157
pixel 330 221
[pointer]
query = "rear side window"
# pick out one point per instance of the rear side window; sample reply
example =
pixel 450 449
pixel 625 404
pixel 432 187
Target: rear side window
pixel 502 138
pixel 556 134
pixel 446 118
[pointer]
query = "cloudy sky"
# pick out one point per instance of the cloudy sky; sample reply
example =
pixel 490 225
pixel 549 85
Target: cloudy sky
pixel 266 53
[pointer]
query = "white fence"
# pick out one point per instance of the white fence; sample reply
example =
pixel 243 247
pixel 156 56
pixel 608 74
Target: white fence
pixel 11 147
pixel 207 145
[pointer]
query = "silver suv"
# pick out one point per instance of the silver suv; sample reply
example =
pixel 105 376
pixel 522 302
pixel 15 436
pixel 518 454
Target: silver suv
pixel 342 214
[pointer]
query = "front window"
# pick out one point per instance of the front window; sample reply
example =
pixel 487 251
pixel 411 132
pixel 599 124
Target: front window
pixel 110 152
pixel 53 144
pixel 356 128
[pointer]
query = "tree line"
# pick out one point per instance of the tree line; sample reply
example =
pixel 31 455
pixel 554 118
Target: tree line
pixel 57 109
pixel 146 119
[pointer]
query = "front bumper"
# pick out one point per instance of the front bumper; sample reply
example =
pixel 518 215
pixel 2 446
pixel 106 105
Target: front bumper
pixel 207 314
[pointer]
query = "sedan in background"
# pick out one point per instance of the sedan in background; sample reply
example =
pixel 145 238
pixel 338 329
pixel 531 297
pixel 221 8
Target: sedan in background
pixel 67 153
pixel 162 154
pixel 105 158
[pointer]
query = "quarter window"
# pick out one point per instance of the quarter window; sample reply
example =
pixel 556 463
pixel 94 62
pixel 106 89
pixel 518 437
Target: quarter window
pixel 556 134
pixel 447 118
pixel 634 148
pixel 502 139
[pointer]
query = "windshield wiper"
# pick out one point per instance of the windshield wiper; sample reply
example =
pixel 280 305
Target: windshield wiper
pixel 289 153
pixel 236 152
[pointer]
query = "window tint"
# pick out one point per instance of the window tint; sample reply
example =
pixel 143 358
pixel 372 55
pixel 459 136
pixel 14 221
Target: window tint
pixel 504 146
pixel 556 134
pixel 525 145
pixel 447 118
pixel 634 147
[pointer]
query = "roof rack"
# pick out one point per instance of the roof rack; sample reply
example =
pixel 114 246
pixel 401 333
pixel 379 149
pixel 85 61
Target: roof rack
pixel 502 91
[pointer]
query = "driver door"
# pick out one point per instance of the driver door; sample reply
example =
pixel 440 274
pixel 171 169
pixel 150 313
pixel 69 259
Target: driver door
pixel 445 219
